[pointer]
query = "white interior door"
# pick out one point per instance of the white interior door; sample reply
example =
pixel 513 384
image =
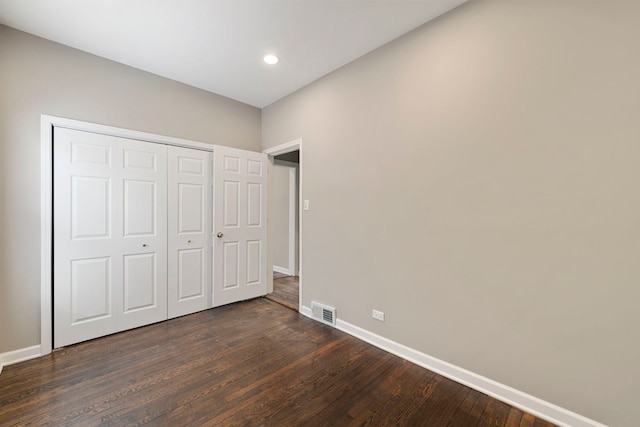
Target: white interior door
pixel 110 241
pixel 240 218
pixel 189 235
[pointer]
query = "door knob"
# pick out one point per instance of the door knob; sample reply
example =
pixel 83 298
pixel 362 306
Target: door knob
pixel 220 234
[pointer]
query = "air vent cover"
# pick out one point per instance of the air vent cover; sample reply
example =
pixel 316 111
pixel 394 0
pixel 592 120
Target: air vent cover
pixel 323 313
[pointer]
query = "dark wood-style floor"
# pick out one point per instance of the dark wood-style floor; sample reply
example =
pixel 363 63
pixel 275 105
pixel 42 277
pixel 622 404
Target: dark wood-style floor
pixel 253 363
pixel 285 290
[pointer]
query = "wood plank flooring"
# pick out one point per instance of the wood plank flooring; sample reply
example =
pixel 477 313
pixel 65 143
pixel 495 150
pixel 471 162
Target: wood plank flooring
pixel 253 363
pixel 285 290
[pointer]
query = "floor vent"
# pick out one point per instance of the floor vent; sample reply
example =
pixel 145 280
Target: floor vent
pixel 323 313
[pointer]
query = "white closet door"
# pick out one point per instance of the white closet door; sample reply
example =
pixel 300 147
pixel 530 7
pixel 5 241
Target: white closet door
pixel 240 258
pixel 189 288
pixel 110 241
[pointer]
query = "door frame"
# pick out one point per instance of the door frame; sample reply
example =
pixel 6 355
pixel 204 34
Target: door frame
pixel 47 123
pixel 295 145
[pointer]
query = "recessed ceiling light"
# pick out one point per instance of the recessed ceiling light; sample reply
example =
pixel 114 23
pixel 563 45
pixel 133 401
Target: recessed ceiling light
pixel 271 59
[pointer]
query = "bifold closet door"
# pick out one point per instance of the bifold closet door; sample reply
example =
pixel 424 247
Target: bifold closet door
pixel 110 235
pixel 189 244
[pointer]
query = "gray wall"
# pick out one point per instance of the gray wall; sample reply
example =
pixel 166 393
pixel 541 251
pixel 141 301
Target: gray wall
pixel 39 77
pixel 477 180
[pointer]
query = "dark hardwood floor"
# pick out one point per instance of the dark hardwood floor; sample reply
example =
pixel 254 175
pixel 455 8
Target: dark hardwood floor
pixel 253 363
pixel 285 290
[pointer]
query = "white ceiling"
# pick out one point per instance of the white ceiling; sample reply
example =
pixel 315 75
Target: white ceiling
pixel 218 45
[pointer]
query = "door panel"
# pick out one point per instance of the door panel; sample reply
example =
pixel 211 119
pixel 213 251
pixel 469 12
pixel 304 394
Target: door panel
pixel 90 289
pixel 231 206
pixel 230 266
pixel 139 208
pixel 254 208
pixel 191 274
pixel 93 154
pixel 254 249
pixel 109 218
pixel 240 225
pixel 191 166
pixel 254 167
pixel 191 199
pixel 90 207
pixel 139 282
pixel 189 239
pixel 140 160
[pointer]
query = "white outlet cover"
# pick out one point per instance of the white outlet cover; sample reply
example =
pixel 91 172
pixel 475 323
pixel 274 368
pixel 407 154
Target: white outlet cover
pixel 378 315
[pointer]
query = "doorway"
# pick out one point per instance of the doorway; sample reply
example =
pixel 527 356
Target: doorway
pixel 285 233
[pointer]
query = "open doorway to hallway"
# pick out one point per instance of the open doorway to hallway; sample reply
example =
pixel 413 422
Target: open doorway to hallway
pixel 285 179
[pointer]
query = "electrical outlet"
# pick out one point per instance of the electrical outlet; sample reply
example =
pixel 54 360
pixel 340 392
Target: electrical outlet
pixel 378 315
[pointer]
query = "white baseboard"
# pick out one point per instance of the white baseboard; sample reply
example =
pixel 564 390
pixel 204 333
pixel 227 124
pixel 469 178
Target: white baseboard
pixel 306 311
pixel 504 393
pixel 20 355
pixel 282 270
